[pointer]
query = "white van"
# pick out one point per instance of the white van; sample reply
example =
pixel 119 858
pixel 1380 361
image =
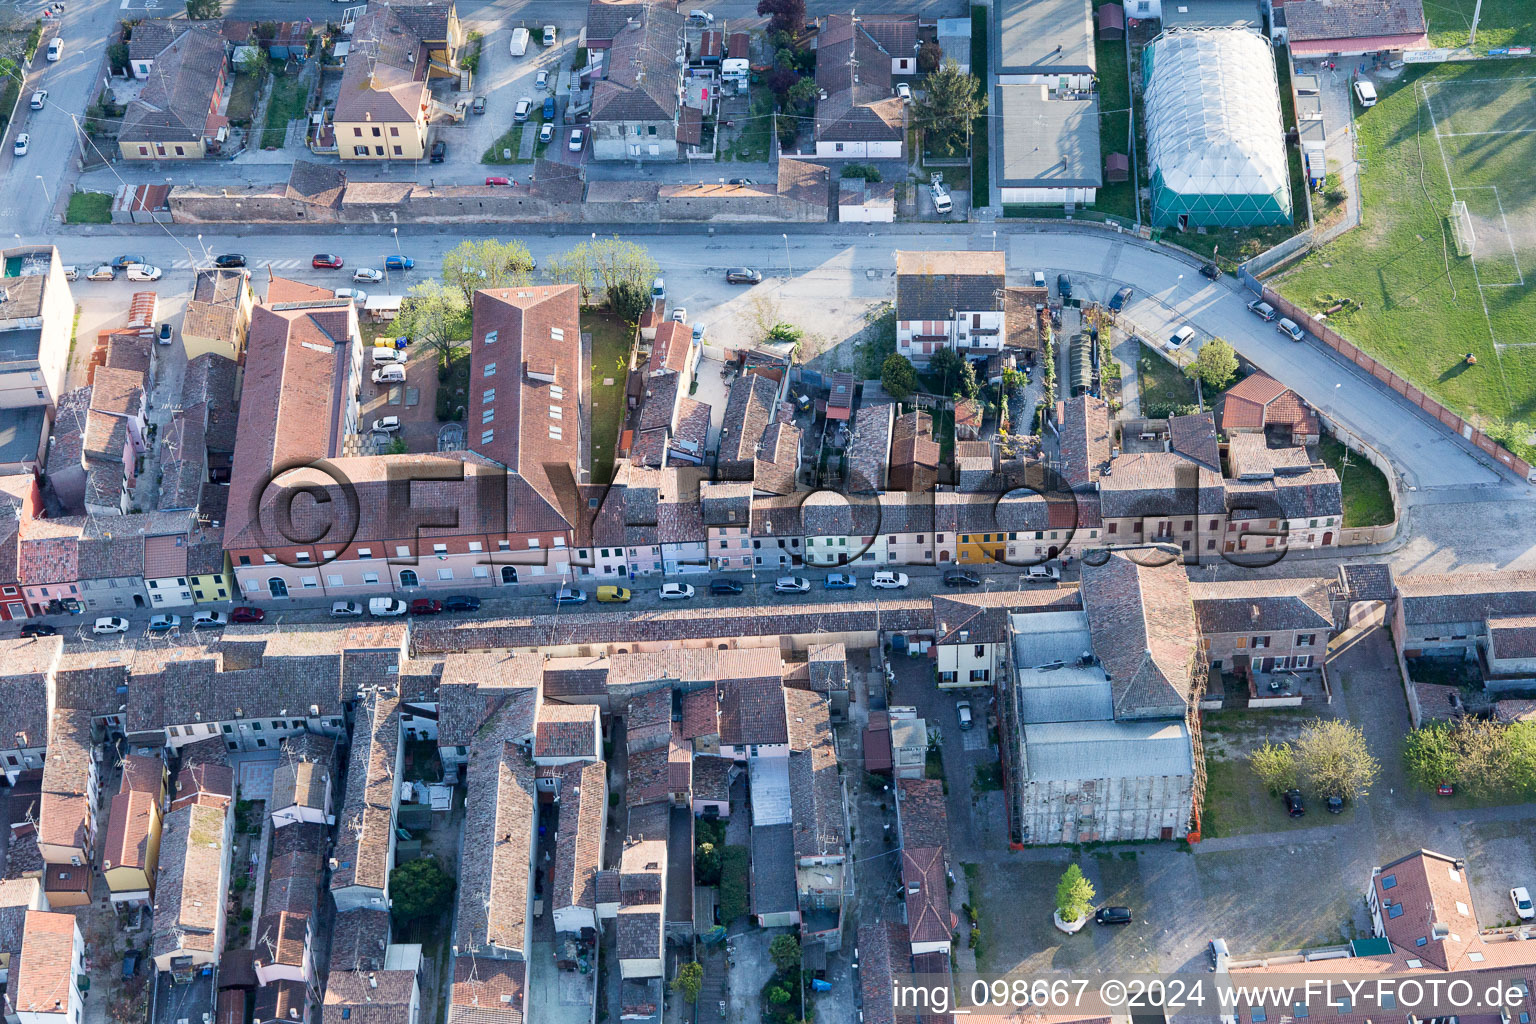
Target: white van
pixel 71 272
pixel 519 41
pixel 386 606
pixel 143 272
pixel 1365 92
pixel 56 48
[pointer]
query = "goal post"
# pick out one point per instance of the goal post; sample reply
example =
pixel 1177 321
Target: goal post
pixel 1461 228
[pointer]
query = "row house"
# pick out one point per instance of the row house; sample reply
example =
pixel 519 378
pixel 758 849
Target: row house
pixel 134 824
pixel 365 838
pixel 379 997
pixel 949 300
pixel 582 808
pixel 290 914
pixel 858 115
pixel 726 508
pixel 66 825
pixel 302 789
pixel 971 638
pixel 599 541
pixel 1279 497
pixel 819 808
pixel 47 984
pixel 27 674
pixel 637 92
pixel 1483 617
pixel 680 523
pixel 1265 625
pixel 190 893
pixel 567 733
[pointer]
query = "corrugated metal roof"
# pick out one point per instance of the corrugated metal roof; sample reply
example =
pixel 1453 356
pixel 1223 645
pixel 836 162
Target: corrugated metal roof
pixel 769 779
pixel 1106 750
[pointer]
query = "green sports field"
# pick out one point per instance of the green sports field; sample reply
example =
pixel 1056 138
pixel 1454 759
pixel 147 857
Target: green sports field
pixel 1502 22
pixel 1453 132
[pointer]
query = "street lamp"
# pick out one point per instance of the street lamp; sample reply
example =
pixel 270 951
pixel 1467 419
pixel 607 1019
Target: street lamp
pixel 396 233
pixel 43 183
pixel 787 260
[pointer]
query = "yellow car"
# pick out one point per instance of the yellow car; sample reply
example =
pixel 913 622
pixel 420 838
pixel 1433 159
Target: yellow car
pixel 612 595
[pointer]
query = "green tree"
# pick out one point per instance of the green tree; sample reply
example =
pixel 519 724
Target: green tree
pixel 1074 895
pixel 1215 364
pixel 950 101
pixel 706 864
pixel 1275 765
pixel 929 56
pixel 784 951
pixel 433 314
pixel 204 10
pixel 629 300
pixel 689 979
pixel 803 93
pixel 944 369
pixel 898 377
pixel 1331 755
pixel 574 267
pixel 398 446
pixel 117 56
pixel 420 888
pixel 488 263
pixel 778 995
pixel 251 61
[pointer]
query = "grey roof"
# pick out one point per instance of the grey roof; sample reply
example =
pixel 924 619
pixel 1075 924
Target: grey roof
pixel 854 75
pixel 1053 684
pixel 152 36
pixel 1145 484
pixel 1048 142
pixel 1194 436
pixel 1143 629
pixel 748 411
pixel 605 18
pixel 1346 19
pixel 773 869
pixel 1262 605
pixel 642 82
pixel 1045 37
pixel 1367 581
pixel 1069 751
pixel 869 447
pixel 364 834
pixel 1244 14
pixel 173 105
pixel 1432 598
pixel 937 285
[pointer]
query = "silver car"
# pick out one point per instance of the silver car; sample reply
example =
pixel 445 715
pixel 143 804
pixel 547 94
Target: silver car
pixel 791 585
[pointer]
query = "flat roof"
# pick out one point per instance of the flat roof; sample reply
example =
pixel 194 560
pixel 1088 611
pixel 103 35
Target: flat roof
pixel 21 432
pixel 1049 143
pixel 21 346
pixel 769 782
pixel 1106 750
pixel 1045 37
pixel 1213 14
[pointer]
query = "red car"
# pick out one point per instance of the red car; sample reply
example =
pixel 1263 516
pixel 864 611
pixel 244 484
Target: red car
pixel 326 261
pixel 426 606
pixel 1444 789
pixel 498 181
pixel 247 615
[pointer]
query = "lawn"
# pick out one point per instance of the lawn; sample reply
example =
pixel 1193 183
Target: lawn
pixel 1419 309
pixel 1114 122
pixel 1236 802
pixel 611 341
pixel 511 140
pixel 1164 389
pixel 242 98
pixel 1367 501
pixel 1501 23
pixel 981 159
pixel 89 208
pixel 754 141
pixel 289 98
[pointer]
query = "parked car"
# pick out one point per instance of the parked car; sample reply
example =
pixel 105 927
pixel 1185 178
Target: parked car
pixel 1113 915
pixel 229 261
pixel 725 587
pixel 55 48
pixel 461 603
pixel 1295 806
pixel 1211 271
pixel 394 373
pixel 36 629
pixel 741 181
pixel 904 92
pixel 570 595
pixel 384 356
pixel 1365 92
pixel 497 179
pixel 578 140
pixel 1290 329
pixel 426 606
pixel 71 272
pixel 547 132
pixel 357 295
pixel 367 275
pixel 1219 954
pixel 386 424
pixel 142 272
pixel 699 17
pixel 1263 310
pixel 743 275
pixel 246 613
pixel 399 263
pixel 1334 805
pixel 522 110
pixel 131 963
pixel 326 261
pixel 123 262
pixel 841 581
pixel 550 34
pixel 1121 298
pixel 39 98
pixel 549 106
pixel 680 315
pixel 961 579
pixel 1445 789
pixel 346 610
pixel 613 595
pixel 164 623
pixel 791 585
pixel 102 273
pixel 165 335
pixel 210 620
pixel 20 146
pixel 676 592
pixel 519 41
pixel 439 151
pixel 1045 572
pixel 659 290
pixel 889 580
pixel 1037 278
pixel 109 624
pixel 1181 337
pixel 963 710
pixel 479 105
pixel 1521 898
pixel 1064 286
pixel 386 607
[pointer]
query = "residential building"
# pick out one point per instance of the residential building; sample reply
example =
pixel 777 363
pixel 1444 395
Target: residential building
pixel 382 109
pixel 179 114
pixel 302 789
pixel 950 299
pixel 567 734
pixel 36 327
pixel 365 838
pixel 726 509
pixel 1260 404
pixel 971 638
pixel 1266 624
pixel 189 914
pixel 915 456
pixel 838 531
pixel 487 991
pixel 372 997
pixel 1278 498
pixel 436 23
pixel 132 850
pixel 776 466
pixel 868 455
pixel 1165 498
pixel 858 116
pixel 908 742
pixel 901 36
pixel 777 535
pixel 20 499
pixel 27 669
pixel 66 825
pixel 45 988
pixel 923 828
pixel 750 408
pixel 1315 29
pixel 680 523
pixel 637 102
pixel 819 810
pixel 165 571
pixel 218 314
pixel 150 38
pixel 583 818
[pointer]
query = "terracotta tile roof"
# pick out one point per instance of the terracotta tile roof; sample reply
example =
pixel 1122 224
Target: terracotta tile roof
pixel 26 668
pixel 929 918
pixel 640 998
pixel 606 18
pixel 304 772
pixel 567 730
pixel 748 411
pixel 1512 636
pixel 983 616
pixel 854 76
pixel 712 778
pixel 188 902
pixel 283 937
pixel 487 991
pixel 650 710
pixel 886 953
pixel 924 817
pixel 359 939
pixel 752 711
pixel 1143 629
pixel 1432 890
pixel 128 827
pixel 385 79
pixel 48 551
pixel 939 285
pixel 642 74
pixel 151 36
pixel 914 453
pixel 639 932
pixel 1367 581
pixel 1194 436
pixel 777 463
pixel 815 788
pixel 42 981
pixel 370 997
pixel 1022 319
pixel 174 103
pixel 700 714
pixel 1430 598
pixel 1158 484
pixel 1243 606
pixel 579 841
pixel 65 811
pixel 282 1000
pixel 536 332
pixel 1258 401
pixel 804 182
pixel 1086 438
pixel 210 382
pixel 1307 20
pixel 364 831
pixel 869 448
pixel 672 348
pixel 691 438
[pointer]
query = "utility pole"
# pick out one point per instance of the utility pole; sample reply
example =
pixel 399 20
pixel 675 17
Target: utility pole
pixel 1477 12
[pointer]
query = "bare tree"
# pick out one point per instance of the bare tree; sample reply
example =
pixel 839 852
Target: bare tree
pixel 488 263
